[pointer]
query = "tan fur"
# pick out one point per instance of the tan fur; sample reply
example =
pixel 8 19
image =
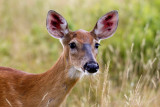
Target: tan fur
pixel 49 89
pixel 20 89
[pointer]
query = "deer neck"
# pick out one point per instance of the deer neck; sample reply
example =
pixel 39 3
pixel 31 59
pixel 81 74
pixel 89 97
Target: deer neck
pixel 58 81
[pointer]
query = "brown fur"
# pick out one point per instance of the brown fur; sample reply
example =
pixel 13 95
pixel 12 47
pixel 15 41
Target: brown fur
pixel 49 89
pixel 20 89
pixel 28 90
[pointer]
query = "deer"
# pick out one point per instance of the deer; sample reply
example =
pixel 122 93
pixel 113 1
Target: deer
pixel 78 58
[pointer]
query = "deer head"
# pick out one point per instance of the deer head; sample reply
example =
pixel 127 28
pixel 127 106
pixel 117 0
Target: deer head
pixel 80 47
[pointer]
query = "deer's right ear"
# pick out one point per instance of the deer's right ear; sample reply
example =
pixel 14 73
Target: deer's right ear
pixel 56 25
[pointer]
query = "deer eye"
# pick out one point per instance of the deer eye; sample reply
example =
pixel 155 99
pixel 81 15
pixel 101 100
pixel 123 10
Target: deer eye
pixel 97 45
pixel 72 45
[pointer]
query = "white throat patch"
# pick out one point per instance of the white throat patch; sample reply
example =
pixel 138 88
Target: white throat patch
pixel 74 73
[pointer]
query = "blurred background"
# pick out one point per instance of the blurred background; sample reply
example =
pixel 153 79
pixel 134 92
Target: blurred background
pixel 130 60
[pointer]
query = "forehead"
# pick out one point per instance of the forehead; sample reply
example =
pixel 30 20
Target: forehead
pixel 83 36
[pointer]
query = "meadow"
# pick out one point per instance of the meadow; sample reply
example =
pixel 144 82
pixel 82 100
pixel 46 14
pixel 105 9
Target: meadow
pixel 129 61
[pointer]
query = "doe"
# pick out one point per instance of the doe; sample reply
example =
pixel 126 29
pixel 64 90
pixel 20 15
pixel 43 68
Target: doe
pixel 49 89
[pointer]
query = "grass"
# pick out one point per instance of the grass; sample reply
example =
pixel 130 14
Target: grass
pixel 130 60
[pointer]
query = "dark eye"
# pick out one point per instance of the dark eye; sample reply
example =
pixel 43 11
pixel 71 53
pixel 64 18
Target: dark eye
pixel 72 45
pixel 97 45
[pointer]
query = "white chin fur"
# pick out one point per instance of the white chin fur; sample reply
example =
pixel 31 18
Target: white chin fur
pixel 75 73
pixel 78 73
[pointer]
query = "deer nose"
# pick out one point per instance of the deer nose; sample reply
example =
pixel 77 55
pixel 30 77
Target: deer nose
pixel 91 67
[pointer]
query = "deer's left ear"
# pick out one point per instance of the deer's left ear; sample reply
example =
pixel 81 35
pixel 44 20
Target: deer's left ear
pixel 106 25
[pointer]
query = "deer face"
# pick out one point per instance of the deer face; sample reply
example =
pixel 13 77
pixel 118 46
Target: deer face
pixel 81 47
pixel 82 50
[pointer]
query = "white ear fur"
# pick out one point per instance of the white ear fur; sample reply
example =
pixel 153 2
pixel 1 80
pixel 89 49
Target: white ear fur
pixel 106 25
pixel 56 25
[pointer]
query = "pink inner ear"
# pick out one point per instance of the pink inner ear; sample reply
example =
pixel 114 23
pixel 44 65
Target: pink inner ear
pixel 55 22
pixel 108 22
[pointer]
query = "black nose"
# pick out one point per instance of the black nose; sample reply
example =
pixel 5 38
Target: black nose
pixel 91 67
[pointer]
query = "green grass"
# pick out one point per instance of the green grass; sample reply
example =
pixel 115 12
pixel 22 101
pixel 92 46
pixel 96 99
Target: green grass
pixel 130 60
